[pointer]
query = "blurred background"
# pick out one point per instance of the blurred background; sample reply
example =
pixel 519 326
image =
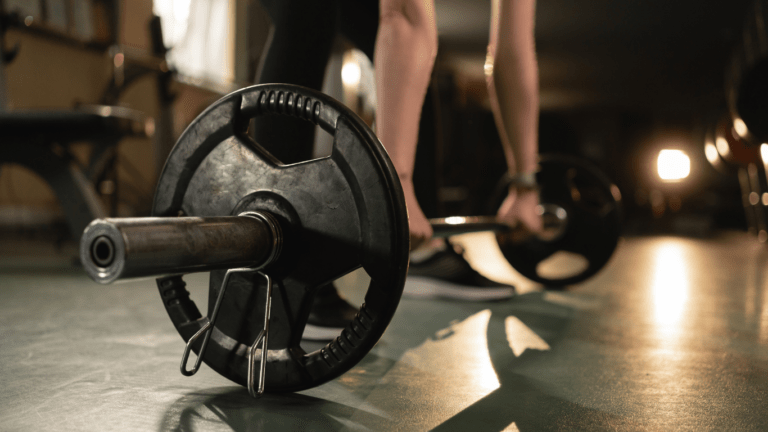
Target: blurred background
pixel 660 95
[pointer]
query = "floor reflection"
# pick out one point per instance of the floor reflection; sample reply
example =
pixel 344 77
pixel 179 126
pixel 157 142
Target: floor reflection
pixel 670 287
pixel 233 407
pixel 757 301
pixel 763 332
pixel 462 343
pixel 520 337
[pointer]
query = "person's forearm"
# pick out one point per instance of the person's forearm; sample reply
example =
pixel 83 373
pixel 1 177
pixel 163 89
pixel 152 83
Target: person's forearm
pixel 406 47
pixel 513 82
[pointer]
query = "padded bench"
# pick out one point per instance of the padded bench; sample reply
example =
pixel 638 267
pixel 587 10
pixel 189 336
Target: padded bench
pixel 38 140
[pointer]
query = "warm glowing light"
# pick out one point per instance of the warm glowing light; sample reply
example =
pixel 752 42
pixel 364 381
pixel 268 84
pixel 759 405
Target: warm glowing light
pixel 175 16
pixel 754 198
pixel 455 220
pixel 764 152
pixel 119 60
pixel 670 285
pixel 350 74
pixel 616 192
pixel 711 152
pixel 740 127
pixel 761 308
pixel 722 147
pixel 488 66
pixel 149 126
pixel 673 165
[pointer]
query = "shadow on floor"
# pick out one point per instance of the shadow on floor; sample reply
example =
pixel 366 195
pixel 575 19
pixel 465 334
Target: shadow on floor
pixel 527 403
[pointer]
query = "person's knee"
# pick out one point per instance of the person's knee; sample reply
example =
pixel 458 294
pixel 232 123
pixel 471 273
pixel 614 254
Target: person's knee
pixel 411 17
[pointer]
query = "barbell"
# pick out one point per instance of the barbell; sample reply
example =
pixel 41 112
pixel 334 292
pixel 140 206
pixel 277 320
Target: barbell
pixel 581 213
pixel 223 204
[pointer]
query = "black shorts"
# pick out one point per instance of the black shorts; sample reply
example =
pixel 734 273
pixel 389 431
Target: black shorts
pixel 298 52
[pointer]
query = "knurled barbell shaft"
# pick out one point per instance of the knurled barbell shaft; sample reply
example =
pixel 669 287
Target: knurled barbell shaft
pixel 455 225
pixel 122 248
pixel 554 219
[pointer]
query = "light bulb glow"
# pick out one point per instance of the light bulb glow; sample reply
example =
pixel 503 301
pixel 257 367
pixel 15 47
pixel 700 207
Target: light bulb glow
pixel 740 127
pixel 673 165
pixel 350 74
pixel 711 152
pixel 722 147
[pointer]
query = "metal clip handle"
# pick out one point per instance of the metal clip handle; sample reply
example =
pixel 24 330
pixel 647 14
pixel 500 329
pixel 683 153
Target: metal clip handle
pixel 208 327
pixel 264 338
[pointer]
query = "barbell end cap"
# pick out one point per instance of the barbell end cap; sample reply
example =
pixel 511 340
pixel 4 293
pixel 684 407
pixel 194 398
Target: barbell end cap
pixel 102 251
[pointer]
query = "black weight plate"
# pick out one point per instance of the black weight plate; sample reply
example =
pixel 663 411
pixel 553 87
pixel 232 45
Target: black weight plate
pixel 593 205
pixel 339 213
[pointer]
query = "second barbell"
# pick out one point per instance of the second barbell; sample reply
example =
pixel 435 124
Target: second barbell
pixel 581 214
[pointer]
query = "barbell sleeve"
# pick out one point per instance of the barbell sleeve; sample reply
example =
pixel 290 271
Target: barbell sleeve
pixel 122 248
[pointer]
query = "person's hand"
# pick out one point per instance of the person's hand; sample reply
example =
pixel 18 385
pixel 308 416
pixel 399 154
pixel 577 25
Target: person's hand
pixel 520 210
pixel 421 230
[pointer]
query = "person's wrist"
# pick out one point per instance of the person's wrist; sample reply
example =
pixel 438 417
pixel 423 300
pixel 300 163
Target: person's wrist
pixel 405 179
pixel 522 181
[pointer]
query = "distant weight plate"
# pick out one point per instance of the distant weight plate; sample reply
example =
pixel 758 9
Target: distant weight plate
pixel 593 206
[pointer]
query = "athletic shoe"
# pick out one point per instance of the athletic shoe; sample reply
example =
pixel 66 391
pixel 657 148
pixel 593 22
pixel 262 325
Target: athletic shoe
pixel 444 273
pixel 329 315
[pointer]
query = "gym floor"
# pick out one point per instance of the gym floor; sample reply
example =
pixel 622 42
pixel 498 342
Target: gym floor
pixel 672 335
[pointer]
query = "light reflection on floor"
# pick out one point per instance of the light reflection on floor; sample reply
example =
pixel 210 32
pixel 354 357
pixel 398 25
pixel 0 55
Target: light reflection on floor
pixel 461 343
pixel 670 286
pixel 521 337
pixel 428 377
pixel 757 304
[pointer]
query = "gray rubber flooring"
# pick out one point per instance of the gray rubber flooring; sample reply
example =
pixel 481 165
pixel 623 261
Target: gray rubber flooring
pixel 672 335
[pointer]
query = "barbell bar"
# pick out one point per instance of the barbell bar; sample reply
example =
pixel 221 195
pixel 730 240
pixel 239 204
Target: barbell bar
pixel 554 222
pixel 124 248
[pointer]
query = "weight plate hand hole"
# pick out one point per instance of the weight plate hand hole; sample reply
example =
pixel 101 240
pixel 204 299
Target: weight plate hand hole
pixel 281 145
pixel 562 265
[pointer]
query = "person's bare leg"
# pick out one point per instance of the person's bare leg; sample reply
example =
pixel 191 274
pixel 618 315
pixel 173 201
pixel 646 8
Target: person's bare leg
pixel 406 47
pixel 513 86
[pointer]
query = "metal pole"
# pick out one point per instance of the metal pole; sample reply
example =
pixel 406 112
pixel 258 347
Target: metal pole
pixel 121 248
pixel 455 225
pixel 554 218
